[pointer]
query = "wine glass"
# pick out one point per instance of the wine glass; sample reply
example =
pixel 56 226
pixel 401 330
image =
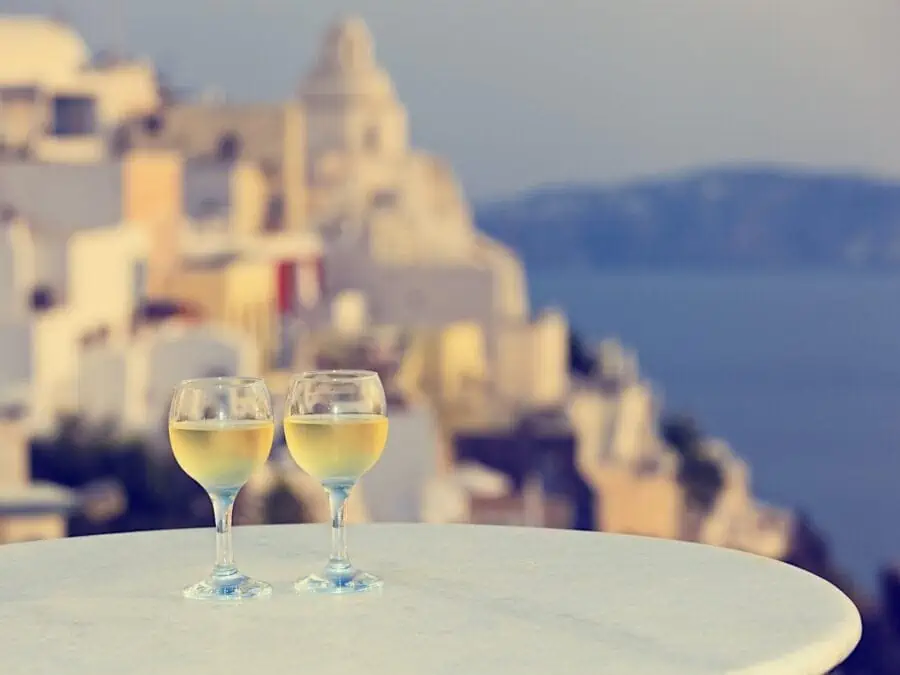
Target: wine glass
pixel 335 425
pixel 221 430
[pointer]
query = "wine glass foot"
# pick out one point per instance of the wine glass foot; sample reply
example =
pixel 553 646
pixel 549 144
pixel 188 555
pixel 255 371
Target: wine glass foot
pixel 230 589
pixel 357 582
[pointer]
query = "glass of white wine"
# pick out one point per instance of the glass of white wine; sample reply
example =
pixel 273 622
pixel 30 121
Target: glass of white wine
pixel 335 425
pixel 221 430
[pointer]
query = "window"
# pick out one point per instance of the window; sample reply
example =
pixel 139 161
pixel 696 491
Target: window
pixel 120 143
pixel 140 282
pixel 269 169
pixel 11 412
pixel 384 199
pixel 98 335
pixel 372 139
pixel 348 52
pixel 153 124
pixel 229 148
pixel 74 116
pixel 274 220
pixel 42 298
pixel 7 213
pixel 332 232
pixel 18 94
pixel 210 207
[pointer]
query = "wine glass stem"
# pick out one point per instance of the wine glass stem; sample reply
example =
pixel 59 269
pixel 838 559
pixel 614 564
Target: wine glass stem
pixel 223 505
pixel 338 562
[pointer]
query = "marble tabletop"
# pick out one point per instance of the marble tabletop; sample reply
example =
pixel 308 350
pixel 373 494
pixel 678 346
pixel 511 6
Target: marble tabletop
pixel 457 600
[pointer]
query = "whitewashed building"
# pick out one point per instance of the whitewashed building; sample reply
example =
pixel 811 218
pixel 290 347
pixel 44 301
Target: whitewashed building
pixel 737 519
pixel 18 273
pixel 395 486
pixel 71 233
pixel 77 274
pixel 394 221
pixel 28 510
pixel 57 102
pixel 132 382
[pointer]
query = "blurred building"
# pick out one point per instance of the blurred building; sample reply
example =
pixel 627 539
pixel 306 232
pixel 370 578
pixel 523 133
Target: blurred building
pixel 145 240
pixel 76 275
pixel 394 219
pixel 737 519
pixel 635 475
pixel 395 486
pixel 129 384
pixel 28 510
pixel 57 102
pixel 395 225
pixel 271 138
pixel 473 493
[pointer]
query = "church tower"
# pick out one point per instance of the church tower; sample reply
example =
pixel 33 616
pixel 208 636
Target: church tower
pixel 351 106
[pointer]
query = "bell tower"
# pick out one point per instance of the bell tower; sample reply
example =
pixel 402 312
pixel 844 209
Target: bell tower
pixel 351 106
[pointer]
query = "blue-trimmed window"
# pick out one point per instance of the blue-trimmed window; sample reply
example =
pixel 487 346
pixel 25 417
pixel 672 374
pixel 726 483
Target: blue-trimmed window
pixel 74 115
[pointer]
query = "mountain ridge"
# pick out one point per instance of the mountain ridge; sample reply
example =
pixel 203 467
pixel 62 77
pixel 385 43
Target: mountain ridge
pixel 736 216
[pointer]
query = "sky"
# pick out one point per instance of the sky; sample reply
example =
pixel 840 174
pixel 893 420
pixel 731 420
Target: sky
pixel 517 93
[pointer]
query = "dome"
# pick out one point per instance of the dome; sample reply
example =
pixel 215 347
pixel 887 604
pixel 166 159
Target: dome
pixel 348 46
pixel 345 67
pixel 35 50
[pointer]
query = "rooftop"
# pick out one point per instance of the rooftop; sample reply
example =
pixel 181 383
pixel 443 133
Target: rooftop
pixel 37 48
pixel 35 498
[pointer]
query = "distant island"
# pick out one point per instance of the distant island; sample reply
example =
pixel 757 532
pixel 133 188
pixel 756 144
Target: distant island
pixel 755 217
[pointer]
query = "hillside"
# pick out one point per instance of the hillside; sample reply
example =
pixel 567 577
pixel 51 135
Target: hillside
pixel 757 217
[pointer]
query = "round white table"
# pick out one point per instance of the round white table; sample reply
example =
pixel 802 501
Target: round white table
pixel 457 600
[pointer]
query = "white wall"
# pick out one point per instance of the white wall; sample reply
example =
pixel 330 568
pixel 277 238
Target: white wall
pixel 15 467
pixel 395 485
pixel 207 189
pixel 102 384
pixel 51 197
pixel 124 90
pixel 55 351
pixel 430 296
pixel 532 361
pixel 635 424
pixel 593 415
pixel 9 292
pixel 17 269
pixel 102 273
pixel 16 367
pixel 172 356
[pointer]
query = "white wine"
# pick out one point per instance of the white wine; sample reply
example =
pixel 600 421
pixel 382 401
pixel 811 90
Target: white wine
pixel 336 448
pixel 221 454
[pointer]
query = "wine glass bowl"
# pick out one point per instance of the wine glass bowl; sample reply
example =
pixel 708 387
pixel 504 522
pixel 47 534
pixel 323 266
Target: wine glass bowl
pixel 336 426
pixel 221 431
